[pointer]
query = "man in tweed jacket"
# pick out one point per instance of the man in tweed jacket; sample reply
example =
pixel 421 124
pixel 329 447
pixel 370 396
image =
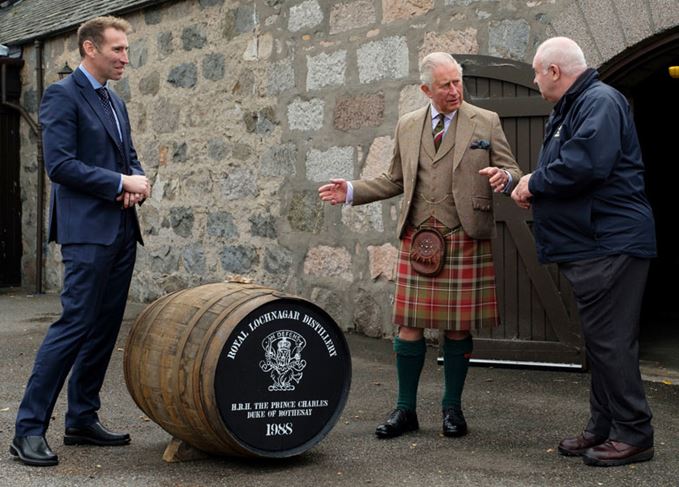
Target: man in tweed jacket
pixel 448 159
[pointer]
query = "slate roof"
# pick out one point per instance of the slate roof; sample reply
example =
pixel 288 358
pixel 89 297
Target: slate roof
pixel 28 20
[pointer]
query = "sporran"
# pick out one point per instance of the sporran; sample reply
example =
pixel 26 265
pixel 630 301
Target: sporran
pixel 427 252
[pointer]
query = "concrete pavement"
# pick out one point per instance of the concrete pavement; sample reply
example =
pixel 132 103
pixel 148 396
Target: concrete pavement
pixel 516 419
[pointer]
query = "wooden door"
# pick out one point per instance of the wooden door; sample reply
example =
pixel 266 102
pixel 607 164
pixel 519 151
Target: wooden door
pixel 539 322
pixel 10 191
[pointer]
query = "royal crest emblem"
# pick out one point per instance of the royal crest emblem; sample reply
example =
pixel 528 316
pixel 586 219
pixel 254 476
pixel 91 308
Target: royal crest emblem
pixel 283 359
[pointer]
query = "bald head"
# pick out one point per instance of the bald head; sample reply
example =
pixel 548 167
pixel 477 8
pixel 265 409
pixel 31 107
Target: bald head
pixel 562 52
pixel 558 63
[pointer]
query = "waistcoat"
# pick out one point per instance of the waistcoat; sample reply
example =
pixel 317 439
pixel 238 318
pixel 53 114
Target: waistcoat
pixel 433 190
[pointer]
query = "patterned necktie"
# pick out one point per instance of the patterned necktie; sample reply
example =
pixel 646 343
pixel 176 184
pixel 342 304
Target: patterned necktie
pixel 105 100
pixel 439 130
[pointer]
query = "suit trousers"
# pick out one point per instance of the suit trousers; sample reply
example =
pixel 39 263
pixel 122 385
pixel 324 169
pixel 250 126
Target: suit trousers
pixel 608 292
pixel 96 283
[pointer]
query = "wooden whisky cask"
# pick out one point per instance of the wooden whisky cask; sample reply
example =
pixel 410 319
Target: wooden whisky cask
pixel 239 369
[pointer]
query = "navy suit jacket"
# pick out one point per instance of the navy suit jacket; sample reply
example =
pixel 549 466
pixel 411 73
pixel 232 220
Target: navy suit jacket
pixel 84 158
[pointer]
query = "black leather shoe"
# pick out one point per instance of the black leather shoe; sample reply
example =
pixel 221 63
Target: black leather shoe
pixel 575 447
pixel 95 434
pixel 33 450
pixel 399 421
pixel 613 453
pixel 453 422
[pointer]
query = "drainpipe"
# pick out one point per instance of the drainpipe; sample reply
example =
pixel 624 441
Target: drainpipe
pixel 39 80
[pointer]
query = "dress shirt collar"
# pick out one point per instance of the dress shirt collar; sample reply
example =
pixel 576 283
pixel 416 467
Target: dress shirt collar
pixel 93 81
pixel 447 116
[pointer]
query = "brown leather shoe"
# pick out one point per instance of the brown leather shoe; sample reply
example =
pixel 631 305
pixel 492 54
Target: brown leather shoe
pixel 612 453
pixel 575 447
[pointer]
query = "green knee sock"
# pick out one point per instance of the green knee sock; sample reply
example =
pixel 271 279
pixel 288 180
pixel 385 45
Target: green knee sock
pixel 456 355
pixel 409 363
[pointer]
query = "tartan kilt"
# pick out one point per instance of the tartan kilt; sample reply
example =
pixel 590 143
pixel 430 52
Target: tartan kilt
pixel 461 297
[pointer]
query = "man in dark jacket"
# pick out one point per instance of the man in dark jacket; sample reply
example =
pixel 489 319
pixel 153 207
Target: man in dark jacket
pixel 591 216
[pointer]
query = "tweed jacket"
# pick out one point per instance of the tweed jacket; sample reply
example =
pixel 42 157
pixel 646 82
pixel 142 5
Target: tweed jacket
pixel 478 142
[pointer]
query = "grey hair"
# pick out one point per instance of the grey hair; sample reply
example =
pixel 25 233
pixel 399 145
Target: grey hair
pixel 563 52
pixel 432 61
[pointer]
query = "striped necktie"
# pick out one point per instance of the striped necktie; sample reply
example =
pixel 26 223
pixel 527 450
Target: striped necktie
pixel 439 131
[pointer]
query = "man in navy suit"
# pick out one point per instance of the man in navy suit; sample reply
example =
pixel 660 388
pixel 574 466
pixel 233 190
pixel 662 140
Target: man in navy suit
pixel 96 182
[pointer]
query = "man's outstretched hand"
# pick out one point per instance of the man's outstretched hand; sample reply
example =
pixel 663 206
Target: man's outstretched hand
pixel 334 192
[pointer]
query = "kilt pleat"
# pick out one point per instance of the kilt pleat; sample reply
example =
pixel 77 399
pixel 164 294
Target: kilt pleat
pixel 461 297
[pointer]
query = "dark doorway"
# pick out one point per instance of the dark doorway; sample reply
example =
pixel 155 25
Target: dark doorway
pixel 644 78
pixel 10 192
pixel 660 323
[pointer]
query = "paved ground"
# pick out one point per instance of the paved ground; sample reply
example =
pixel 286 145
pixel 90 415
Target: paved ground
pixel 516 419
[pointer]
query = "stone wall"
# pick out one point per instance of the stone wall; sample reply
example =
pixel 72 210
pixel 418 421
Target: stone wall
pixel 241 109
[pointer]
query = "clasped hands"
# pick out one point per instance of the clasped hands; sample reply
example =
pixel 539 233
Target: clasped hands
pixel 136 188
pixel 521 194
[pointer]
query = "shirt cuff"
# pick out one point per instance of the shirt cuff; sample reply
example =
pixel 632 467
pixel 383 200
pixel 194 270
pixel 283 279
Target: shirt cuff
pixel 350 194
pixel 509 183
pixel 120 185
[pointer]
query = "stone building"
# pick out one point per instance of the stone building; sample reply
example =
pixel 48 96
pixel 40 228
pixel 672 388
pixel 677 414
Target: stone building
pixel 241 109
